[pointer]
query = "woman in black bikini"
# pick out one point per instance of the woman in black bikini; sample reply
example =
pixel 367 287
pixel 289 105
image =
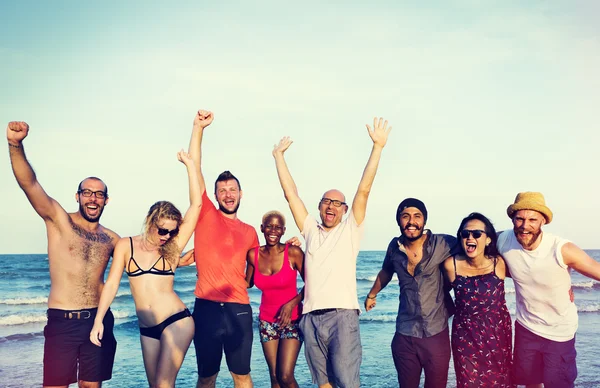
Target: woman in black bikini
pixel 150 259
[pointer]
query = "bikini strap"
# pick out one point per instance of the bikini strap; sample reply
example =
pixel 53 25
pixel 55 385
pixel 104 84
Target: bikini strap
pixel 131 244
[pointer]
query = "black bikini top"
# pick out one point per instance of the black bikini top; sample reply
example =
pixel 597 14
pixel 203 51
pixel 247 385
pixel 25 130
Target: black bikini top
pixel 160 267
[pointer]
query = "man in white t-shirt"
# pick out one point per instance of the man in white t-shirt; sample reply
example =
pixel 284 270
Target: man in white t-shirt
pixel 546 322
pixel 330 314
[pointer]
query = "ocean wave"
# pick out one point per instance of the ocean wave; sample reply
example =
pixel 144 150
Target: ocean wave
pixel 592 308
pixel 377 318
pixel 373 277
pixel 21 337
pixel 22 319
pixel 586 285
pixel 17 301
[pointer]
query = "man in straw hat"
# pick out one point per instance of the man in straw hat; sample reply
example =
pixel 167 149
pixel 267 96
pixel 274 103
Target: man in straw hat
pixel 546 322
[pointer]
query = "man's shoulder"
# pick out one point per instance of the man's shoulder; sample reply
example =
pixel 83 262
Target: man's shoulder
pixel 441 238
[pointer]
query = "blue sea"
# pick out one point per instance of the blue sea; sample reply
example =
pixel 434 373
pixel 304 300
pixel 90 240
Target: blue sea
pixel 25 285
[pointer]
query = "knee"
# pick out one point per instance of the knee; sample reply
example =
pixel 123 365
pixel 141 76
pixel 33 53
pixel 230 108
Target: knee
pixel 286 378
pixel 89 384
pixel 207 382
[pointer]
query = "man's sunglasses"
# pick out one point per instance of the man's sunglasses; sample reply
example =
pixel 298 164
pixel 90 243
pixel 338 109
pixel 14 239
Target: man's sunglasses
pixel 89 193
pixel 335 202
pixel 476 233
pixel 164 232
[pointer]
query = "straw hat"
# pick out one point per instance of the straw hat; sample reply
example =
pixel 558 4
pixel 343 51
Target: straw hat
pixel 530 200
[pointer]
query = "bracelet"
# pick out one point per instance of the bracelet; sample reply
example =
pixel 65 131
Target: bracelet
pixel 369 297
pixel 14 146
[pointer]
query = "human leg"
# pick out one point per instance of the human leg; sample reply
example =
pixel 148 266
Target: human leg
pixel 345 349
pixel 528 362
pixel 407 363
pixel 315 348
pixel 150 355
pixel 208 341
pixel 560 367
pixel 96 363
pixel 287 355
pixel 237 342
pixel 174 343
pixel 434 353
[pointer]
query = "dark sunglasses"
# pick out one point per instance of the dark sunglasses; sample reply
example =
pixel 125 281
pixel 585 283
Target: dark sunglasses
pixel 465 233
pixel 164 232
pixel 335 202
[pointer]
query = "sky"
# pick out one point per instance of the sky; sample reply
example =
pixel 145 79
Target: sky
pixel 486 99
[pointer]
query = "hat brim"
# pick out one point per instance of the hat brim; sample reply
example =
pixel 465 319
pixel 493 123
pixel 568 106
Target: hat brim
pixel 525 205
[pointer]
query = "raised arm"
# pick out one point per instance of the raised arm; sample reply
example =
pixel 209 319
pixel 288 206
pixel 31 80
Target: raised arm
pixel 290 191
pixel 46 207
pixel 110 289
pixel 379 134
pixel 186 259
pixel 191 215
pixel 202 120
pixel 576 258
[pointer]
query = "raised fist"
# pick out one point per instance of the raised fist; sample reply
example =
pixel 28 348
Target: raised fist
pixel 203 118
pixel 16 131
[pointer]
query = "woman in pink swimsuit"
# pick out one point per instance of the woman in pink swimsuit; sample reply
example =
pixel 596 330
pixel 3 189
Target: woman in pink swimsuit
pixel 273 267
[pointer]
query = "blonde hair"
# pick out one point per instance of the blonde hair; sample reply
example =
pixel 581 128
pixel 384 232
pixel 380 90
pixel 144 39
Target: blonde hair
pixel 273 213
pixel 163 210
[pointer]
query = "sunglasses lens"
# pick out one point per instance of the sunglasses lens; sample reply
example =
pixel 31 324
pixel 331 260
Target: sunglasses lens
pixel 464 233
pixel 162 231
pixel 476 234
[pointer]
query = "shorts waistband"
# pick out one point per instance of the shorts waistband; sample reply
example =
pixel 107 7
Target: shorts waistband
pixel 72 314
pixel 322 311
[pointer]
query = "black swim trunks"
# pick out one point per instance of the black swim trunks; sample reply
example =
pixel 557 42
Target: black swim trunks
pixel 68 345
pixel 222 327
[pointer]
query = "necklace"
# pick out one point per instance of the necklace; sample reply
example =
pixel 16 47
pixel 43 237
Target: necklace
pixel 410 251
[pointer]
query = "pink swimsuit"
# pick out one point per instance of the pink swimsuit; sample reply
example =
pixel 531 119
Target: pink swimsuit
pixel 277 289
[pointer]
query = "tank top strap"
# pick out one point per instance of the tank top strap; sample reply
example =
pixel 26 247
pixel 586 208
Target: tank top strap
pixel 495 262
pixel 256 259
pixel 286 257
pixel 454 261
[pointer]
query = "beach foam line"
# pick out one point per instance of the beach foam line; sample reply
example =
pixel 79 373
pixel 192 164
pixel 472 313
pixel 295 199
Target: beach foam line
pixel 373 277
pixel 377 318
pixel 586 285
pixel 18 301
pixel 592 308
pixel 22 319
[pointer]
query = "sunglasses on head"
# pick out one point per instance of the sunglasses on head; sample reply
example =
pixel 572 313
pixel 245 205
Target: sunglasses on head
pixel 164 232
pixel 476 233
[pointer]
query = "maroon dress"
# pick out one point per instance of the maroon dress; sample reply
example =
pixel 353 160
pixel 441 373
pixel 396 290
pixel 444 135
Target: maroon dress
pixel 481 332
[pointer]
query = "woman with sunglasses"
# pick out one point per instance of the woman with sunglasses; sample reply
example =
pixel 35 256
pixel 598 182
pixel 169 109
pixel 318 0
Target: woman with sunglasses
pixel 150 260
pixel 273 267
pixel 481 328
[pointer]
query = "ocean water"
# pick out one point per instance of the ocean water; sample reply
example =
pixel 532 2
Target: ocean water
pixel 25 284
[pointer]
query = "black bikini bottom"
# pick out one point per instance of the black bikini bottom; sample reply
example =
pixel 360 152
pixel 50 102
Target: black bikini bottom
pixel 156 331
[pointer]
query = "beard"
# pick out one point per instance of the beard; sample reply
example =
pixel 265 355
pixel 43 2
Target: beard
pixel 534 237
pixel 411 239
pixel 88 217
pixel 227 211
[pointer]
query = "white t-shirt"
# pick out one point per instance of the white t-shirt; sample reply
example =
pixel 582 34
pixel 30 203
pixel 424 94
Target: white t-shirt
pixel 330 264
pixel 542 283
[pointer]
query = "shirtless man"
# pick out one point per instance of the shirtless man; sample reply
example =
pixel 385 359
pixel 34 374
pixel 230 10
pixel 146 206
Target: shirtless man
pixel 78 252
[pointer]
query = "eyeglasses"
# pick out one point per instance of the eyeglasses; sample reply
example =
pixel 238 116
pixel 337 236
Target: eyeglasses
pixel 88 193
pixel 335 202
pixel 164 232
pixel 465 233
